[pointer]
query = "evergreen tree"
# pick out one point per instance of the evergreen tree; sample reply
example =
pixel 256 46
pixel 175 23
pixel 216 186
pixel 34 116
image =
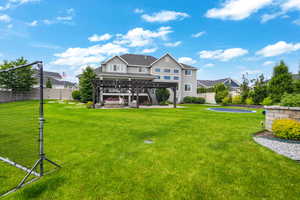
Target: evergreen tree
pixel 85 84
pixel 18 80
pixel 48 83
pixel 245 89
pixel 260 90
pixel 281 82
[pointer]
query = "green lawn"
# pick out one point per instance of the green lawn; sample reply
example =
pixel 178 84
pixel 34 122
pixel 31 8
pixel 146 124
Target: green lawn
pixel 196 154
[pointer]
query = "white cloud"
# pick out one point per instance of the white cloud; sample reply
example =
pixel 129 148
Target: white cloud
pixel 208 65
pixel 291 5
pixel 165 16
pixel 278 48
pixel 33 23
pixel 152 50
pixel 45 46
pixel 268 63
pixel 90 55
pixel 223 55
pixel 139 37
pixel 187 60
pixel 5 18
pixel 196 35
pixel 297 22
pixel 98 38
pixel 15 3
pixel 10 26
pixel 251 72
pixel 138 11
pixel 65 19
pixel 267 17
pixel 173 44
pixel 237 9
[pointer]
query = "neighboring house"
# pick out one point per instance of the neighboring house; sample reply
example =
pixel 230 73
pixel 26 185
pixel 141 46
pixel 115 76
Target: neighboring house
pixel 232 84
pixel 56 80
pixel 296 76
pixel 164 69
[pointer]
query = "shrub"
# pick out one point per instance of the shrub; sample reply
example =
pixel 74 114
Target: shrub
pixel 267 101
pixel 226 101
pixel 249 101
pixel 292 100
pixel 286 129
pixel 221 92
pixel 89 104
pixel 188 99
pixel 76 95
pixel 163 103
pixel 237 99
pixel 162 94
pixel 199 100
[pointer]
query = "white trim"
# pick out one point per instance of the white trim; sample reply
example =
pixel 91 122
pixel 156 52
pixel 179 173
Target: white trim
pixel 189 85
pixel 188 70
pixel 105 62
pixel 167 54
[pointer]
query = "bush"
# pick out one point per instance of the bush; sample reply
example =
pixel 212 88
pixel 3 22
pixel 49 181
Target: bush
pixel 163 103
pixel 291 100
pixel 188 99
pixel 267 101
pixel 89 104
pixel 237 99
pixel 197 100
pixel 286 129
pixel 226 101
pixel 221 92
pixel 205 90
pixel 249 101
pixel 76 95
pixel 162 94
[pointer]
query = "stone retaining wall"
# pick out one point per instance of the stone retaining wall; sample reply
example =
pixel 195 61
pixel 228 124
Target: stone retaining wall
pixel 280 112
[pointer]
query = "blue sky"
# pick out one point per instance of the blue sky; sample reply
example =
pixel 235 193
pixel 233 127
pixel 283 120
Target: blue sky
pixel 223 38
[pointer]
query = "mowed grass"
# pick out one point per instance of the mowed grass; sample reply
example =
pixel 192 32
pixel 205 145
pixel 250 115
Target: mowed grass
pixel 196 154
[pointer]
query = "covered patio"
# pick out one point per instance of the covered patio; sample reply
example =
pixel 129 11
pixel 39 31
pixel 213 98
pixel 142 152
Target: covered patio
pixel 133 87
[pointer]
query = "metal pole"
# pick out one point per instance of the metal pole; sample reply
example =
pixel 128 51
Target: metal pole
pixel 41 139
pixel 175 98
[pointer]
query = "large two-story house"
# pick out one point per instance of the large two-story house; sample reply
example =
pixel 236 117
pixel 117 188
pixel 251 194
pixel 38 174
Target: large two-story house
pixel 164 69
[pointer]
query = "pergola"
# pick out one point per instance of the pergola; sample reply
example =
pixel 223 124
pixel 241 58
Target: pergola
pixel 135 86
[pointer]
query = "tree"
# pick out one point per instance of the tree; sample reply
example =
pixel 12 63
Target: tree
pixel 260 90
pixel 48 83
pixel 297 84
pixel 85 84
pixel 19 80
pixel 162 94
pixel 245 89
pixel 221 92
pixel 281 82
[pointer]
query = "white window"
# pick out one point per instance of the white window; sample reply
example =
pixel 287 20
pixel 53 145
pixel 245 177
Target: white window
pixel 188 72
pixel 176 71
pixel 167 77
pixel 167 70
pixel 115 68
pixel 176 78
pixel 157 69
pixel 187 87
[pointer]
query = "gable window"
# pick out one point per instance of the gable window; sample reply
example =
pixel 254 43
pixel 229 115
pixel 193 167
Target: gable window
pixel 188 72
pixel 115 68
pixel 157 69
pixel 176 78
pixel 167 77
pixel 157 77
pixel 167 70
pixel 140 69
pixel 176 71
pixel 187 87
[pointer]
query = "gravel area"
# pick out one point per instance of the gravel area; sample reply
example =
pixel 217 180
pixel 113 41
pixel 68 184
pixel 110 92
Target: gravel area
pixel 290 149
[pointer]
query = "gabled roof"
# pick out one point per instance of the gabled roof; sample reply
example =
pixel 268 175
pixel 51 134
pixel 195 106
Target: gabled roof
pixel 48 74
pixel 185 66
pixel 211 83
pixel 138 60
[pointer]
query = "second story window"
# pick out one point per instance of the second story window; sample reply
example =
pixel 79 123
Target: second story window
pixel 167 70
pixel 176 78
pixel 188 72
pixel 176 71
pixel 167 77
pixel 115 68
pixel 187 87
pixel 140 69
pixel 157 69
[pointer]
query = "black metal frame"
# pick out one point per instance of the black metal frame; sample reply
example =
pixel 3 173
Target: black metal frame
pixel 42 156
pixel 135 86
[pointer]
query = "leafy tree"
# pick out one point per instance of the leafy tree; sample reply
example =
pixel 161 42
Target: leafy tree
pixel 85 84
pixel 221 92
pixel 19 80
pixel 281 82
pixel 162 94
pixel 48 83
pixel 297 84
pixel 245 89
pixel 260 90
